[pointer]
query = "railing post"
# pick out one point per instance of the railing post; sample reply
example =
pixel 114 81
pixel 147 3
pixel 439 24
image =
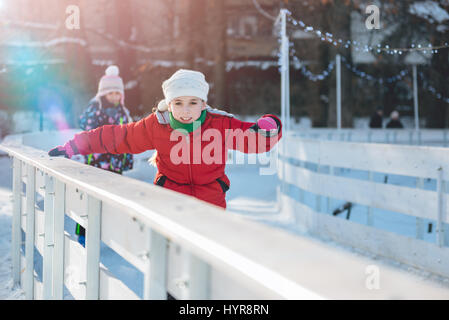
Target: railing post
pixel 318 196
pixel 301 196
pixel 47 273
pixel 369 218
pixel 419 221
pixel 285 69
pixel 282 169
pixel 329 202
pixel 338 90
pixel 29 236
pixel 93 236
pixel 415 96
pixel 199 279
pixel 16 235
pixel 301 191
pixel 58 254
pixel 441 208
pixel 445 137
pixel 155 285
pixel 445 225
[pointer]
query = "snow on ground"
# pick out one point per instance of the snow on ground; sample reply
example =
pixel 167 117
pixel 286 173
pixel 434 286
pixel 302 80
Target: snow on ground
pixel 251 194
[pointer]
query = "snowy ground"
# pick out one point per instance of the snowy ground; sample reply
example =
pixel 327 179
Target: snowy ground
pixel 251 194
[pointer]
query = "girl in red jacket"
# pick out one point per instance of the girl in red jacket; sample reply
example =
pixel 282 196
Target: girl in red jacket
pixel 190 137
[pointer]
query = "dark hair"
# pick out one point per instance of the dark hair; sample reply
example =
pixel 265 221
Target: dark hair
pixel 156 106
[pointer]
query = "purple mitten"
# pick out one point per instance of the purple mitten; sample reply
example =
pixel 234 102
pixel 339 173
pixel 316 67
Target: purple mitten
pixel 267 124
pixel 66 150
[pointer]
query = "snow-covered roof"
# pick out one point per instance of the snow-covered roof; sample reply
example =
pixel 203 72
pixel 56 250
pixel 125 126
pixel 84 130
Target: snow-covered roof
pixel 429 10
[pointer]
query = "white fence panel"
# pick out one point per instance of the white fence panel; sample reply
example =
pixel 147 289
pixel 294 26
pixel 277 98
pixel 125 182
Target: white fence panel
pixel 112 288
pixel 75 278
pixel 76 205
pixel 29 232
pixel 39 225
pixel 124 234
pixel 415 252
pixel 423 162
pixel 395 159
pixel 416 202
pixel 428 137
pixel 16 237
pixel 261 260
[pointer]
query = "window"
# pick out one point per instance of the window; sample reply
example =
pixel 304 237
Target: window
pixel 242 26
pixel 248 26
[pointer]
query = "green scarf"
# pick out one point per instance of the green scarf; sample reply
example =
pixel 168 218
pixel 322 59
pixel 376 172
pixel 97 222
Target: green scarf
pixel 189 127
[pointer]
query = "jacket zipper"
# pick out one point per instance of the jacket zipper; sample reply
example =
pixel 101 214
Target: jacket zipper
pixel 190 165
pixel 124 155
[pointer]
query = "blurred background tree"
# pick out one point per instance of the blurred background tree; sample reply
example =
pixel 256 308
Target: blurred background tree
pixel 234 42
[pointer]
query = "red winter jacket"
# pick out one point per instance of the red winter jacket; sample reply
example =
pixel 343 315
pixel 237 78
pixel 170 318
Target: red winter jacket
pixel 181 165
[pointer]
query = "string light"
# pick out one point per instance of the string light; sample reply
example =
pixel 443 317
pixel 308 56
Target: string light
pixel 379 49
pixel 315 77
pixel 330 67
pixel 311 76
pixel 328 37
pixel 432 90
pixel 328 70
pixel 369 77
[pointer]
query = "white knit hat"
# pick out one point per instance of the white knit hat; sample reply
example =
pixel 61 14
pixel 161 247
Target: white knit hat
pixel 111 82
pixel 185 83
pixel 394 114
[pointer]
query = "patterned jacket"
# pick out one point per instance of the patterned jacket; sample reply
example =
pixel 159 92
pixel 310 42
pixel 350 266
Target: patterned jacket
pixel 99 113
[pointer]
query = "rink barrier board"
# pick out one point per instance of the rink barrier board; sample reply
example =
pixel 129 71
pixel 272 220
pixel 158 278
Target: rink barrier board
pixel 39 219
pixel 412 201
pixel 112 288
pixel 415 161
pixel 192 286
pixel 412 161
pixel 412 252
pixel 435 137
pixel 265 265
pixel 76 205
pixel 130 241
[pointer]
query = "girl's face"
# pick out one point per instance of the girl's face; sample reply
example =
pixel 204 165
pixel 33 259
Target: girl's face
pixel 114 97
pixel 186 109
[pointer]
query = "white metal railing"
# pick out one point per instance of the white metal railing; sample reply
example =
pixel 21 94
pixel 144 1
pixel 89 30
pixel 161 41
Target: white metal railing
pixel 413 161
pixel 182 245
pixel 428 137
